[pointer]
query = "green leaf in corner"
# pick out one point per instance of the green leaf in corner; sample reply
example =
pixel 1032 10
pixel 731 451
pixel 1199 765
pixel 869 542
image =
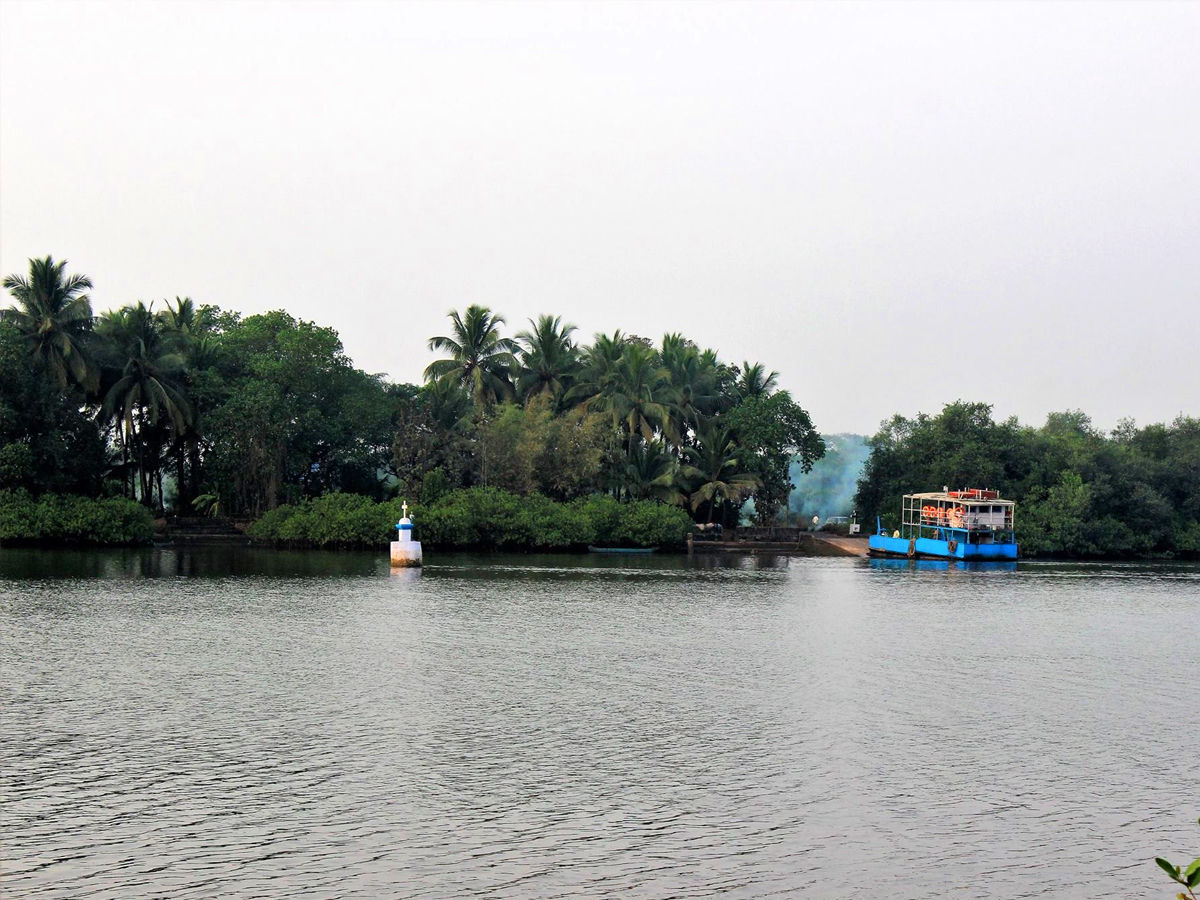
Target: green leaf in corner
pixel 1167 867
pixel 1193 869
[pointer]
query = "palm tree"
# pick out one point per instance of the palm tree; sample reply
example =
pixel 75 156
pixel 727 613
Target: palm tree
pixel 448 404
pixel 756 381
pixel 480 360
pixel 651 472
pixel 597 375
pixel 642 394
pixel 191 331
pixel 624 378
pixel 145 390
pixel 55 315
pixel 694 379
pixel 715 469
pixel 185 317
pixel 549 359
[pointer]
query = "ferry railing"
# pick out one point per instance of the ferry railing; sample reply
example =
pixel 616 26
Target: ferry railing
pixel 925 518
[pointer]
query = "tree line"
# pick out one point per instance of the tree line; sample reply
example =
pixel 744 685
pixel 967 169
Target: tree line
pixel 188 408
pixel 1080 492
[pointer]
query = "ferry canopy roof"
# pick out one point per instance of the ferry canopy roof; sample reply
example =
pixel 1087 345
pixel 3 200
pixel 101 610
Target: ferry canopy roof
pixel 965 501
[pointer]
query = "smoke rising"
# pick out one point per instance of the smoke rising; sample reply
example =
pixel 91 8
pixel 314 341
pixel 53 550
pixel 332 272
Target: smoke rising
pixel 828 490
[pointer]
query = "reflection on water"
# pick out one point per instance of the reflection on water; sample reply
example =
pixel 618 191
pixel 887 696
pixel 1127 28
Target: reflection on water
pixel 205 562
pixel 241 561
pixel 280 724
pixel 942 565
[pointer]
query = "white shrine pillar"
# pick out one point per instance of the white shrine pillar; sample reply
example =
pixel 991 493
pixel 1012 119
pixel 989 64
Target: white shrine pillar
pixel 405 551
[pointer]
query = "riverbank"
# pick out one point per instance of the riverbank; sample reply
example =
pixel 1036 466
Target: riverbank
pixel 476 519
pixel 485 519
pixel 807 543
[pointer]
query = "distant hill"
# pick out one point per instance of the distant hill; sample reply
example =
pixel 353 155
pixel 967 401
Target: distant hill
pixel 828 490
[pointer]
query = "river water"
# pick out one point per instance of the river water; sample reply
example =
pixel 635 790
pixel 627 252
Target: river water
pixel 254 723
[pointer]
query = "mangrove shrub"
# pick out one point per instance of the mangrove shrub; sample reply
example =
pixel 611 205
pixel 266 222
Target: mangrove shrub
pixel 71 519
pixel 482 518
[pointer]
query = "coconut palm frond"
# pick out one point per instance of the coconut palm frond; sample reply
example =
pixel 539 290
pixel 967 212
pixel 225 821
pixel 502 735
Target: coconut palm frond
pixel 479 359
pixel 55 316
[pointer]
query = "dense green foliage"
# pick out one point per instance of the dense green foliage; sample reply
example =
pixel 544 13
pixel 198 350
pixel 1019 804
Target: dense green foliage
pixel 622 416
pixel 168 406
pixel 292 417
pixel 1080 493
pixel 187 408
pixel 47 442
pixel 529 449
pixel 773 432
pixel 484 518
pixel 72 519
pixel 637 523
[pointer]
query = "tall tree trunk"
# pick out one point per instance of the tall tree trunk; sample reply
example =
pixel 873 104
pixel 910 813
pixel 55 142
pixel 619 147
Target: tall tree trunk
pixel 141 468
pixel 194 465
pixel 181 488
pixel 126 479
pixel 139 443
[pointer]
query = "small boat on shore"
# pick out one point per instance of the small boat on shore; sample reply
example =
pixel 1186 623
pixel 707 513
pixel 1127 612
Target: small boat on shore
pixel 592 549
pixel 972 524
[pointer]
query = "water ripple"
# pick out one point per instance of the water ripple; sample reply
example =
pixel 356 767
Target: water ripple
pixel 540 727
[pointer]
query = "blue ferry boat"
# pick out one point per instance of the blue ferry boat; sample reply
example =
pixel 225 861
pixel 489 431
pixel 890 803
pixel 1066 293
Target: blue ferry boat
pixel 972 525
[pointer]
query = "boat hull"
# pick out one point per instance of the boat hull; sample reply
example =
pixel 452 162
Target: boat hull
pixel 934 548
pixel 621 549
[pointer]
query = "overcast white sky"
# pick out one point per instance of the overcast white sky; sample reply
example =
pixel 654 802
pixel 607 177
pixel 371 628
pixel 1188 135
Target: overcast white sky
pixel 893 205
